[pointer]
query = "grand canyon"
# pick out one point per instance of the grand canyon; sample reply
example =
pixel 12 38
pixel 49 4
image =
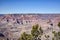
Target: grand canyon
pixel 13 25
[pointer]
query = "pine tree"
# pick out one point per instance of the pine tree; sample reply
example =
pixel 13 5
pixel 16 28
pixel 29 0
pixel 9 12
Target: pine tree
pixel 35 33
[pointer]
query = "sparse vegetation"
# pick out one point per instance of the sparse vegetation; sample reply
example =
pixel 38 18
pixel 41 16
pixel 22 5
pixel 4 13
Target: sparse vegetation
pixel 25 36
pixel 52 38
pixel 56 36
pixel 59 24
pixel 47 37
pixel 35 33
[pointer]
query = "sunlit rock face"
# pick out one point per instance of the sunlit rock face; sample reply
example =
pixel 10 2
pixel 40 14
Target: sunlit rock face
pixel 12 25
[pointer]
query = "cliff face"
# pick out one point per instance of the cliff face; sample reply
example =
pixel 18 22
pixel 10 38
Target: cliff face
pixel 12 25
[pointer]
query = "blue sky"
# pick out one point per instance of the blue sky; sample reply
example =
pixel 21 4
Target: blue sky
pixel 29 6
